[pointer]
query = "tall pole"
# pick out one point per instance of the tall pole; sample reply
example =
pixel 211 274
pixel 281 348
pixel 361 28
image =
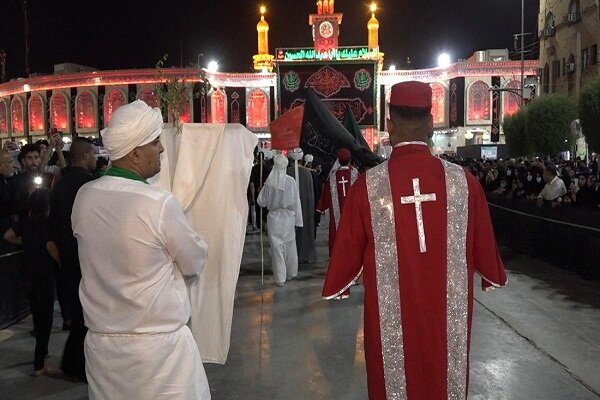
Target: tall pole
pixel 27 69
pixel 522 51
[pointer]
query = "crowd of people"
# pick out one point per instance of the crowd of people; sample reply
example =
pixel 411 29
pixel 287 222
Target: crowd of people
pixel 552 182
pixel 38 184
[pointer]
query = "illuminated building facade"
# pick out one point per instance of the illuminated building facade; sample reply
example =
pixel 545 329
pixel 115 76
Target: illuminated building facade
pixel 82 103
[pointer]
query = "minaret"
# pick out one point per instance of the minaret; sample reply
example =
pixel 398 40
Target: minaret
pixel 263 60
pixel 373 27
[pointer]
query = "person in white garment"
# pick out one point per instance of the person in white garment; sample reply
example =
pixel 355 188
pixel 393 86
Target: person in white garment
pixel 136 250
pixel 280 196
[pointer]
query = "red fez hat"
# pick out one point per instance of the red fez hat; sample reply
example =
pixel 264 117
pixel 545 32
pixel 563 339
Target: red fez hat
pixel 344 155
pixel 411 94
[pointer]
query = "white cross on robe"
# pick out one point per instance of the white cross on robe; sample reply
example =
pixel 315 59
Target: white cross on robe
pixel 343 182
pixel 417 199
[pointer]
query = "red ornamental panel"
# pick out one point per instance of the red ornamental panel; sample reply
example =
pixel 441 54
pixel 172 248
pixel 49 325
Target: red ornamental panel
pixel 36 114
pixel 368 134
pixel 86 111
pixel 58 112
pixel 258 109
pixel 112 101
pixel 185 115
pixel 148 96
pixel 479 101
pixel 16 115
pixel 511 101
pixel 3 118
pixel 438 105
pixel 218 107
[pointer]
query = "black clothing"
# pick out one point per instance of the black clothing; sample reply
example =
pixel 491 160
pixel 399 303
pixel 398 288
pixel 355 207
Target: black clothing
pixel 258 184
pixel 40 270
pixel 62 198
pixel 22 186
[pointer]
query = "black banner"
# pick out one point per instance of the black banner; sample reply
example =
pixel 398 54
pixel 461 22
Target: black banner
pixel 322 135
pixel 457 102
pixel 338 85
pixel 496 96
pixel 236 98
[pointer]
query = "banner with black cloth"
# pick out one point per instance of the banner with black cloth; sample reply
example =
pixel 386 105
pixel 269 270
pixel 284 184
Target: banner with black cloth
pixel 322 135
pixel 565 237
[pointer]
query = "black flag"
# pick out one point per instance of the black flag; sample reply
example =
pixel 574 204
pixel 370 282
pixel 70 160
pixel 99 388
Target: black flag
pixel 322 135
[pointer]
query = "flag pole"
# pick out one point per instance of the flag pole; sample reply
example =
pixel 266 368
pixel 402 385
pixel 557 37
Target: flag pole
pixel 261 157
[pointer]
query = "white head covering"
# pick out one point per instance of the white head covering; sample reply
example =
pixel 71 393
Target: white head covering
pixel 308 158
pixel 297 154
pixel 277 176
pixel 132 125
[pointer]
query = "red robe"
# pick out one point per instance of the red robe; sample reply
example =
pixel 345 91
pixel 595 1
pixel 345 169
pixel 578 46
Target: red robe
pixel 344 176
pixel 422 276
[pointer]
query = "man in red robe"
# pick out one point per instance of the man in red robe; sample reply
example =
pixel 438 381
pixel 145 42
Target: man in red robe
pixel 341 177
pixel 418 228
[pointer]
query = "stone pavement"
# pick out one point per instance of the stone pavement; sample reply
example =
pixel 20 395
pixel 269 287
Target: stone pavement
pixel 536 339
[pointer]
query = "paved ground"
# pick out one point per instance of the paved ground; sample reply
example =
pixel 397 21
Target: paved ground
pixel 536 339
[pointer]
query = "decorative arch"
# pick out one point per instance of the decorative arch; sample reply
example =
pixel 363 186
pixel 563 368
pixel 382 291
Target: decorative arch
pixel 4 117
pixel 112 101
pixel 16 116
pixel 511 101
pixel 479 101
pixel 257 109
pixel 235 108
pixel 59 112
pixel 438 105
pixel 37 114
pixel 86 111
pixel 218 107
pixel 147 95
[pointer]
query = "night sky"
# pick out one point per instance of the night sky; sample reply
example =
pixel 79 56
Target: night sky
pixel 112 34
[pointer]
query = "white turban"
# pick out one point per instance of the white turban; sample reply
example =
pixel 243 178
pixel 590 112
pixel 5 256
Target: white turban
pixel 277 176
pixel 132 125
pixel 308 158
pixel 297 154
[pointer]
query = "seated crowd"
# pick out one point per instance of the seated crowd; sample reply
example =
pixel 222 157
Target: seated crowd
pixel 555 183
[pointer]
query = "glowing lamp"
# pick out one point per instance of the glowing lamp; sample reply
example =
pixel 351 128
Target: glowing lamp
pixel 213 66
pixel 263 10
pixel 392 67
pixel 63 126
pixel 373 7
pixel 444 60
pixel 37 180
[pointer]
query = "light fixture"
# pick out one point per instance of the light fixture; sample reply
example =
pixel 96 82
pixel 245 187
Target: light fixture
pixel 263 10
pixel 392 67
pixel 213 66
pixel 444 60
pixel 373 7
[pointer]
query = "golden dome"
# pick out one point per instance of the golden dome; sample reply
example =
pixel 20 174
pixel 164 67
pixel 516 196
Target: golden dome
pixel 373 23
pixel 262 25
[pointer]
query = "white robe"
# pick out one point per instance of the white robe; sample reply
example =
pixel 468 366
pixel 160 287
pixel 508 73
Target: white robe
pixel 135 247
pixel 285 213
pixel 207 167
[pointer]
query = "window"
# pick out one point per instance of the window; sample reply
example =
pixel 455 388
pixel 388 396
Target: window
pixel 59 115
pixel 16 116
pixel 549 25
pixel 594 54
pixel 85 110
pixel 511 101
pixel 37 120
pixel 479 102
pixel 585 58
pixel 3 118
pixel 555 69
pixel 112 101
pixel 574 11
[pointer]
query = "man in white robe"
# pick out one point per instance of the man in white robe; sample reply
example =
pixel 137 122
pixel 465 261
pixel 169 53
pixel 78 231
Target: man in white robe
pixel 136 248
pixel 280 196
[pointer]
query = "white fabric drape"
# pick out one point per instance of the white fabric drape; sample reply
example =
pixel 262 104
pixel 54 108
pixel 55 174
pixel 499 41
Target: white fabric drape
pixel 207 167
